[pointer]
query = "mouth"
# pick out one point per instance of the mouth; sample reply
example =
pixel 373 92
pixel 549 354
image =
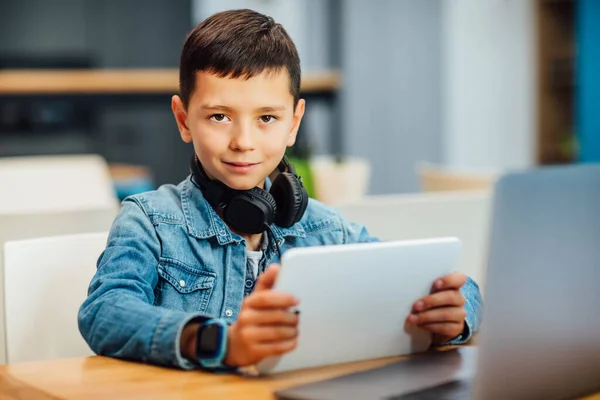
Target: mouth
pixel 239 167
pixel 239 164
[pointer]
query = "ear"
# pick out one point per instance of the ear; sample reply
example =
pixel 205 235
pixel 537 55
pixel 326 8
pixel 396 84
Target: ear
pixel 298 114
pixel 180 114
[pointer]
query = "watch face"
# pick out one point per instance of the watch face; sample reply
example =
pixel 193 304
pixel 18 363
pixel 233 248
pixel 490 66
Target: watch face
pixel 209 338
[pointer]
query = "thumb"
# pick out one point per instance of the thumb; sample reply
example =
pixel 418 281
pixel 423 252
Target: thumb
pixel 268 278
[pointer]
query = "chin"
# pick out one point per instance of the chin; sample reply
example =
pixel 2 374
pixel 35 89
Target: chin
pixel 240 183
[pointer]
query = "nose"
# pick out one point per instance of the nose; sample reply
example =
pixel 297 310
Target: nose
pixel 242 139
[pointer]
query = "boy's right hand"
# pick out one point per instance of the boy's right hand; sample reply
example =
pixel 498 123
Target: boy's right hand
pixel 265 326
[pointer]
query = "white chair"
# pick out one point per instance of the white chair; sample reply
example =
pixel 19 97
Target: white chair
pixel 52 195
pixel 465 215
pixel 45 282
pixel 55 184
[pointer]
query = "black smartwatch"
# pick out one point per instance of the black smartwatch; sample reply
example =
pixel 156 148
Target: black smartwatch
pixel 211 343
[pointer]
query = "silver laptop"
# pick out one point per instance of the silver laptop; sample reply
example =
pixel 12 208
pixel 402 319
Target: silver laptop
pixel 541 332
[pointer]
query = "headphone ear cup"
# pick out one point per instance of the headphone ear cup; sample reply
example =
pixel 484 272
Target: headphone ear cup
pixel 291 198
pixel 249 210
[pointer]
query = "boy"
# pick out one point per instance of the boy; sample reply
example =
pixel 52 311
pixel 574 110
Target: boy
pixel 186 278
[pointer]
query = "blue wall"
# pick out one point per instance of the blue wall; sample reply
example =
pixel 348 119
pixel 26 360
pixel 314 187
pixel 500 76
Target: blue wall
pixel 588 79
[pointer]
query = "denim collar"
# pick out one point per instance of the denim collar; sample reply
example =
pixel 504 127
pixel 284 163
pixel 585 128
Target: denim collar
pixel 203 222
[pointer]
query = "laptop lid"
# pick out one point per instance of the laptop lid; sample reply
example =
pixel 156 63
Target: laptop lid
pixel 541 332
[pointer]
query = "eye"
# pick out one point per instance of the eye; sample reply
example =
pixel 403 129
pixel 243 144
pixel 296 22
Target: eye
pixel 219 117
pixel 268 119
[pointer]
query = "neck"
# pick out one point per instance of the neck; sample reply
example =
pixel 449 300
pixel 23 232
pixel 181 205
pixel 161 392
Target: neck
pixel 253 241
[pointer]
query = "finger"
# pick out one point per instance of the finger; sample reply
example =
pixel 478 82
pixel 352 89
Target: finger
pixel 445 298
pixel 270 299
pixel 450 281
pixel 268 317
pixel 447 329
pixel 268 334
pixel 263 350
pixel 444 314
pixel 268 278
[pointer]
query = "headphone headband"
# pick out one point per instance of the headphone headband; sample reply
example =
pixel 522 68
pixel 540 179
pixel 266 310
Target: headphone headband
pixel 286 166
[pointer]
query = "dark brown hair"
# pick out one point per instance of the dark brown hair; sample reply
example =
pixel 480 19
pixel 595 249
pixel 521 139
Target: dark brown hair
pixel 237 43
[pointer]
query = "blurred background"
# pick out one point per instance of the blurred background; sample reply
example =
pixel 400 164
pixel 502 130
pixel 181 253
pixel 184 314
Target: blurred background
pixel 404 98
pixel 395 88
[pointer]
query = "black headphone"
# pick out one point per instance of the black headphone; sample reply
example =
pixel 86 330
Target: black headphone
pixel 253 210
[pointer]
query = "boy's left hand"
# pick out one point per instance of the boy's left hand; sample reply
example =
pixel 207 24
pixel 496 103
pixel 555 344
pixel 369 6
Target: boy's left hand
pixel 443 311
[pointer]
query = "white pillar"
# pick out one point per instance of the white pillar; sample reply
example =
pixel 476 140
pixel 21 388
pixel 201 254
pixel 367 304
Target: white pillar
pixel 489 83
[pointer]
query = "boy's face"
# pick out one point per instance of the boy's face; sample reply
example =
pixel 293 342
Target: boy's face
pixel 240 127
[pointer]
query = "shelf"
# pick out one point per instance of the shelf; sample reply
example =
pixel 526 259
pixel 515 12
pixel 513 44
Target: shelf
pixel 133 81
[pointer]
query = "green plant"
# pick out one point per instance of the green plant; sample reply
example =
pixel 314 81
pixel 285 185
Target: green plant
pixel 299 155
pixel 304 171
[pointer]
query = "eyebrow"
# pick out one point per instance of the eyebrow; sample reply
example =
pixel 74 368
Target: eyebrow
pixel 271 109
pixel 218 107
pixel 215 107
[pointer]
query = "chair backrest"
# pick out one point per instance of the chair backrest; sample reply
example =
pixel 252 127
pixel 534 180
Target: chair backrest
pixel 36 225
pixel 436 178
pixel 465 215
pixel 55 184
pixel 45 282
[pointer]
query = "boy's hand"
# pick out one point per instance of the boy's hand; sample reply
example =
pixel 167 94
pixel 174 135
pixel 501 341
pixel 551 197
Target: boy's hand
pixel 443 311
pixel 265 326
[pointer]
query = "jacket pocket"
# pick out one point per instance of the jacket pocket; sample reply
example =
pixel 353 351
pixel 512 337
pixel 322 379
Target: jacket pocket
pixel 184 288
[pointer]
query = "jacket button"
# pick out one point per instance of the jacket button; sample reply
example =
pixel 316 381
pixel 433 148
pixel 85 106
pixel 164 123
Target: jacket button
pixel 182 283
pixel 249 283
pixel 228 313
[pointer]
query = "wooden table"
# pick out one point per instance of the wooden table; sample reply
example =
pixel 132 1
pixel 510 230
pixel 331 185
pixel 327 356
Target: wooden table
pixel 105 378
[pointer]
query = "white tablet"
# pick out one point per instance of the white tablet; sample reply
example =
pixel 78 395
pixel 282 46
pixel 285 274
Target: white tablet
pixel 354 299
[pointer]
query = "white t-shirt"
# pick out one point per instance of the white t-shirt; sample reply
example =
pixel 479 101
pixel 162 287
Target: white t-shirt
pixel 254 257
pixel 254 260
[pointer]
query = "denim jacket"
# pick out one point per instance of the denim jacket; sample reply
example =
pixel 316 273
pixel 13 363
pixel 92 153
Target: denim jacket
pixel 171 259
